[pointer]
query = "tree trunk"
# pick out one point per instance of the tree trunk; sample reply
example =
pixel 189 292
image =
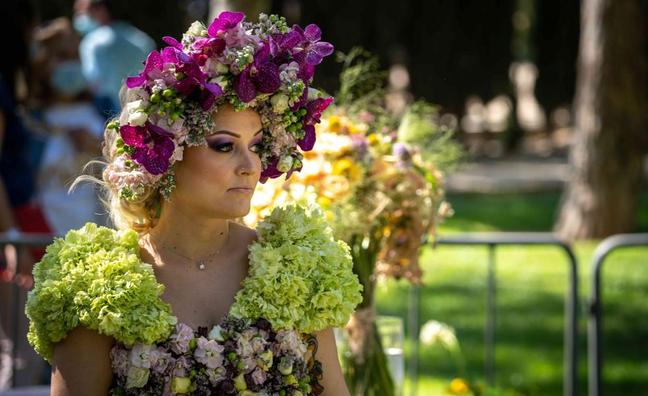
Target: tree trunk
pixel 610 122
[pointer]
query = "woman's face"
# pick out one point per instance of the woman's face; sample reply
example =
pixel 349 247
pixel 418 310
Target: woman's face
pixel 218 180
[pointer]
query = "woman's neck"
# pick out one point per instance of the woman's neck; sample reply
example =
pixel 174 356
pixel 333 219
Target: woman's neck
pixel 189 234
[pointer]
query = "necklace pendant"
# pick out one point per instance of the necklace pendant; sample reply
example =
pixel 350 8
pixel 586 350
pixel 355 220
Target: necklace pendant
pixel 201 265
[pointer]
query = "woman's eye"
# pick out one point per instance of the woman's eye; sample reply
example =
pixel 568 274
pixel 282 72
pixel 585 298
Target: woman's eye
pixel 256 148
pixel 221 147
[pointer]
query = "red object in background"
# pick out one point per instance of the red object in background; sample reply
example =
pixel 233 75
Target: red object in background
pixel 31 220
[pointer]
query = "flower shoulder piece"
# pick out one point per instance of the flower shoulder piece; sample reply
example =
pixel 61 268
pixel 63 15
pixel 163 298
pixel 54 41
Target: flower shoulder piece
pixel 266 66
pixel 300 278
pixel 94 278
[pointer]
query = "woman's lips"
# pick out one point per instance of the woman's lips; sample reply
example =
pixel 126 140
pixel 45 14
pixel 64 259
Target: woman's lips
pixel 241 189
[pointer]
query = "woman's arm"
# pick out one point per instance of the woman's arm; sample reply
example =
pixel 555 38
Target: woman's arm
pixel 333 380
pixel 82 364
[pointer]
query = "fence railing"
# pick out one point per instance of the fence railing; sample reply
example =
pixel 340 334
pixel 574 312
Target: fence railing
pixel 595 323
pixel 492 240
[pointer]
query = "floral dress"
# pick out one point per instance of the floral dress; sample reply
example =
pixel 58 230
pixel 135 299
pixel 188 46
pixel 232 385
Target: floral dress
pixel 300 281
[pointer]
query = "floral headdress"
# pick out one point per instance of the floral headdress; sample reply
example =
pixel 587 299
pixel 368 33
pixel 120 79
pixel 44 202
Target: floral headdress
pixel 266 66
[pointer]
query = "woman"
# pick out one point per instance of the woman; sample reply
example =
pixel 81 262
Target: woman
pixel 195 303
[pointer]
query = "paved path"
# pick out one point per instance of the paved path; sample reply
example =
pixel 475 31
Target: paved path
pixel 509 175
pixel 516 174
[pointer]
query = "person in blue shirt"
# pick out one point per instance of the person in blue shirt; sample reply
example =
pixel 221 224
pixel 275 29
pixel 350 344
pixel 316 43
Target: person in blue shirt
pixel 109 50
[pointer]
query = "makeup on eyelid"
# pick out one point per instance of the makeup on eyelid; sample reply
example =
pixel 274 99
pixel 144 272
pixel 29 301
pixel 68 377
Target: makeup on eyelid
pixel 217 144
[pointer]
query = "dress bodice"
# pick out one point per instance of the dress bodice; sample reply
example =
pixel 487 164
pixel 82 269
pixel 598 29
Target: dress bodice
pixel 300 281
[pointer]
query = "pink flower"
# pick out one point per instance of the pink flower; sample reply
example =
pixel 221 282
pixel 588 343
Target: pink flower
pixel 161 359
pixel 262 76
pixel 209 353
pixel 179 341
pixel 225 21
pixel 290 341
pixel 152 68
pixel 181 367
pixel 140 356
pixel 119 360
pixel 249 364
pixel 314 111
pixel 249 342
pixel 314 50
pixel 259 376
pixel 152 146
pixel 216 375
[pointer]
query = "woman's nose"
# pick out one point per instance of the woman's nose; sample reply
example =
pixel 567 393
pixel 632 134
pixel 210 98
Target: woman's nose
pixel 247 164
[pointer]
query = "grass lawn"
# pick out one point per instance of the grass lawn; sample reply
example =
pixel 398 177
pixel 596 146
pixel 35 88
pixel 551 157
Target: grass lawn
pixel 530 301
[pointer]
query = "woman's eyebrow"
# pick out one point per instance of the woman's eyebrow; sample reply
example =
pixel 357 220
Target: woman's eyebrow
pixel 228 132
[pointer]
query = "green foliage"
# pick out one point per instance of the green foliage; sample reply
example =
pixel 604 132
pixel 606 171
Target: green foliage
pixel 420 127
pixel 94 278
pixel 361 78
pixel 300 277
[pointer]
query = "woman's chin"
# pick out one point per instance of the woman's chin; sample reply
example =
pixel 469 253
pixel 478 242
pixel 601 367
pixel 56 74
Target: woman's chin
pixel 237 211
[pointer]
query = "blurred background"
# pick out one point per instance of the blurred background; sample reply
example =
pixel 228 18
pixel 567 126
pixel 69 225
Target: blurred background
pixel 548 100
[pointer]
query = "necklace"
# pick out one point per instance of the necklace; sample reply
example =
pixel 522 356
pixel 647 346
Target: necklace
pixel 201 263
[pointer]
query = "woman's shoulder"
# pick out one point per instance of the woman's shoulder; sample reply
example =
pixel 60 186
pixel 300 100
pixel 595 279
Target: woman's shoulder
pixel 247 235
pixel 300 277
pixel 94 277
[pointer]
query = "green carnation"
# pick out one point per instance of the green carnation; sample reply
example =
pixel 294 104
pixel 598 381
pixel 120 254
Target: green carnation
pixel 301 278
pixel 95 278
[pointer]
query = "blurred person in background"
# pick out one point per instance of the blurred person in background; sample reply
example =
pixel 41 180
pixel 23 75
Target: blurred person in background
pixel 74 124
pixel 18 211
pixel 110 49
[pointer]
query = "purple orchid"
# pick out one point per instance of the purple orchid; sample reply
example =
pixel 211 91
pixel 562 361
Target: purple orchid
pixel 308 141
pixel 194 79
pixel 315 108
pixel 271 171
pixel 206 47
pixel 306 71
pixel 225 21
pixel 314 50
pixel 153 63
pixel 174 55
pixel 172 42
pixel 314 111
pixel 282 45
pixel 262 76
pixel 153 146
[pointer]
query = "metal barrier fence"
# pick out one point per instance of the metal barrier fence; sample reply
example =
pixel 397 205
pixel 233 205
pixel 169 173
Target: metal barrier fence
pixel 19 240
pixel 595 353
pixel 492 240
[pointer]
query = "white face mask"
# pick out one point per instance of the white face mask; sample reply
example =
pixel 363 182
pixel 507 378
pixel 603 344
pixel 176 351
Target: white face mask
pixel 84 24
pixel 67 78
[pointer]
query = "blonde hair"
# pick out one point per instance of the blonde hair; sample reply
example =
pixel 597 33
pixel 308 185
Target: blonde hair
pixel 140 214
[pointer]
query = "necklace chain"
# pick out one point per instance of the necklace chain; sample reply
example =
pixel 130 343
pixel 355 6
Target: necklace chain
pixel 200 263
